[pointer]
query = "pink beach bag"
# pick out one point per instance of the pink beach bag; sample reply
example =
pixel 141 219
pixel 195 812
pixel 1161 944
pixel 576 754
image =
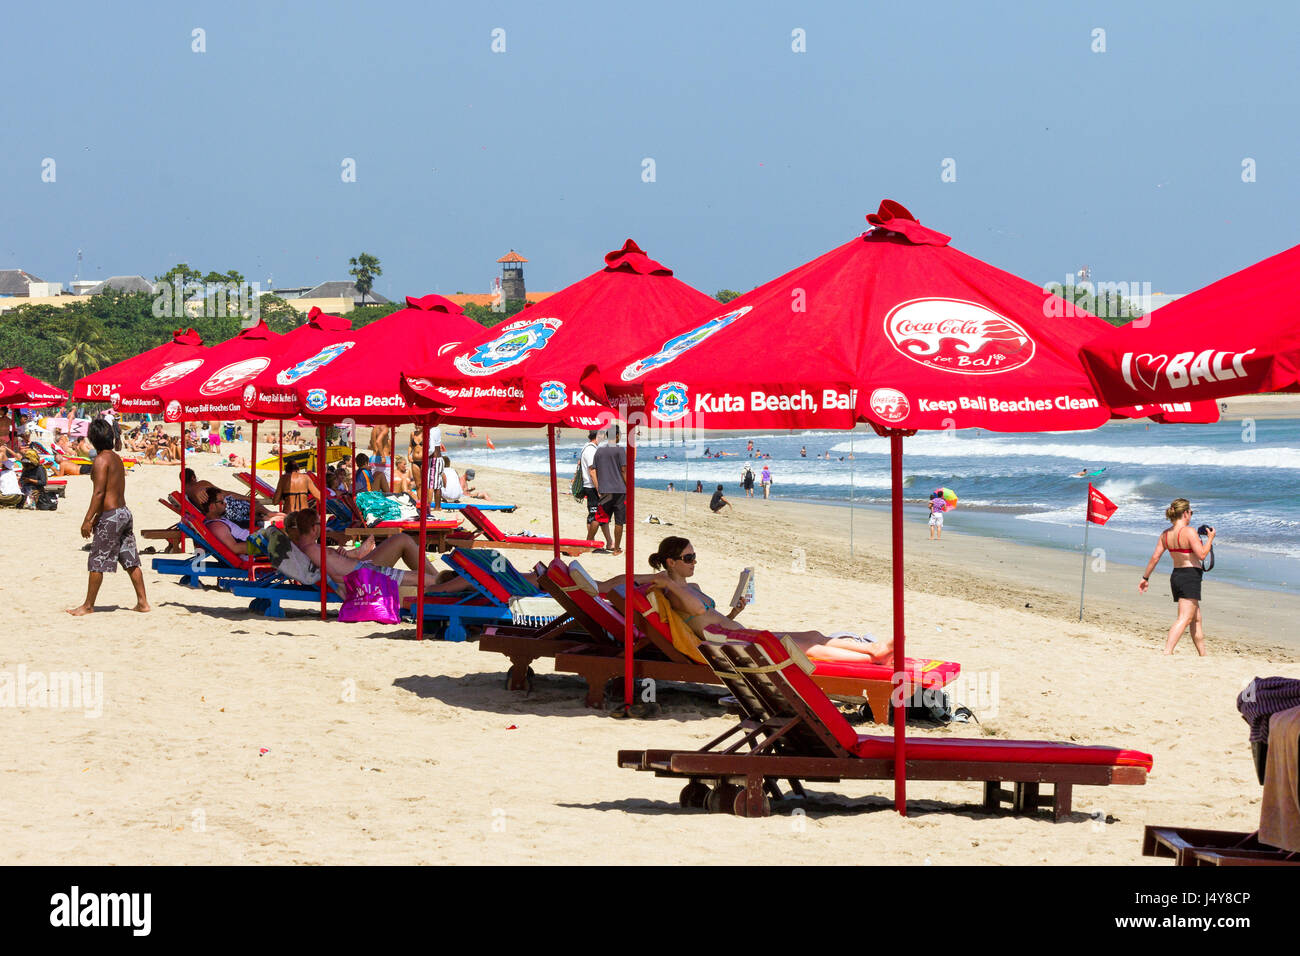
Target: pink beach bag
pixel 369 595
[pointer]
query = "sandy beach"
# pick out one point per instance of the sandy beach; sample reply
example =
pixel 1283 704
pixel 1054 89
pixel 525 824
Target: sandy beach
pixel 226 737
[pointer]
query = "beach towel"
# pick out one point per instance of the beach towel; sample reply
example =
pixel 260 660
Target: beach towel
pixel 287 558
pixel 1264 697
pixel 1279 812
pixel 376 507
pixel 683 637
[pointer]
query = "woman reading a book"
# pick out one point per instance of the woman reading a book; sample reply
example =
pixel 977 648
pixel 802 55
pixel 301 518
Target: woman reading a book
pixel 675 562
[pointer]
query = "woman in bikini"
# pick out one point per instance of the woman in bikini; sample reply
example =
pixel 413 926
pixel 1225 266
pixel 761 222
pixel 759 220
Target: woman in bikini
pixel 296 490
pixel 675 561
pixel 1188 554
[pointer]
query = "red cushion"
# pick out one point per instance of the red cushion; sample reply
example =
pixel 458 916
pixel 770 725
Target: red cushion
pixel 484 580
pixel 803 685
pixel 931 673
pixel 1007 751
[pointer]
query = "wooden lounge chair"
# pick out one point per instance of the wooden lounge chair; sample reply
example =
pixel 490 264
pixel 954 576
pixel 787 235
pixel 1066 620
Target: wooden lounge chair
pixel 1190 847
pixel 656 656
pixel 791 731
pixel 496 588
pixel 487 535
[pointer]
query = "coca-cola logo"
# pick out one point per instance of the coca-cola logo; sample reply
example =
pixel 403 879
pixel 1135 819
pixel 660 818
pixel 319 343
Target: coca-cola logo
pixel 890 405
pixel 170 373
pixel 233 375
pixel 953 335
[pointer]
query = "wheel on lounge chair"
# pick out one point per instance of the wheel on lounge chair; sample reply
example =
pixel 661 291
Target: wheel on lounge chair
pixel 695 795
pixel 743 806
pixel 722 799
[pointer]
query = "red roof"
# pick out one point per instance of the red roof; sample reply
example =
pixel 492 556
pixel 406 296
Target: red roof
pixel 512 256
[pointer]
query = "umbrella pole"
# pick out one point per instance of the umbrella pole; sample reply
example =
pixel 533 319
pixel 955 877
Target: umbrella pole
pixel 424 526
pixel 324 493
pixel 280 463
pixel 252 497
pixel 555 494
pixel 353 462
pixel 183 493
pixel 392 456
pixel 901 689
pixel 852 465
pixel 628 564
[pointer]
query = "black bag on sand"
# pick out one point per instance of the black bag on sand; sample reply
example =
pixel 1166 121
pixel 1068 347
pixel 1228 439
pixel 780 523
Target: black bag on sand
pixel 46 502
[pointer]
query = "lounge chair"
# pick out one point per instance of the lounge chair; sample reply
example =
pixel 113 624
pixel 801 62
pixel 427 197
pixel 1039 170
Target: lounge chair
pixel 666 649
pixel 487 535
pixel 791 731
pixel 211 559
pixel 498 594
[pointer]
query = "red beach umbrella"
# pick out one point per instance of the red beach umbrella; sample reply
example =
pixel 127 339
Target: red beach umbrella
pixel 20 390
pixel 186 344
pixel 1237 336
pixel 210 385
pixel 364 383
pixel 895 328
pixel 310 347
pixel 526 371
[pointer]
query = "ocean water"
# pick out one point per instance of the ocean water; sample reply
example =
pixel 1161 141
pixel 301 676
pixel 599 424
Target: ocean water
pixel 1242 478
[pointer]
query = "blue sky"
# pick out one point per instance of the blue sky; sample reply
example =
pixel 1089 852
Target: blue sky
pixel 1129 160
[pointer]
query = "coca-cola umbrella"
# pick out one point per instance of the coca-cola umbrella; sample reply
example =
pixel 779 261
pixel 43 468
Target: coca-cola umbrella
pixel 99 386
pixel 20 390
pixel 1237 336
pixel 363 384
pixel 526 372
pixel 895 328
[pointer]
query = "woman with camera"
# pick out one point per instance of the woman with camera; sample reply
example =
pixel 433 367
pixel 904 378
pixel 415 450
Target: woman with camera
pixel 1188 554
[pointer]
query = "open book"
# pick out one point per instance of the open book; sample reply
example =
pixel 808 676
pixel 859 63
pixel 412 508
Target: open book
pixel 744 588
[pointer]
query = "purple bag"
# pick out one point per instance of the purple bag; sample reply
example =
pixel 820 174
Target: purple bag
pixel 369 595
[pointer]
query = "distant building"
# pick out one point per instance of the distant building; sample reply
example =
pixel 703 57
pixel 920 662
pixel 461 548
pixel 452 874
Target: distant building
pixel 341 290
pixel 16 282
pixel 295 292
pixel 512 276
pixel 82 286
pixel 122 284
pixel 1154 300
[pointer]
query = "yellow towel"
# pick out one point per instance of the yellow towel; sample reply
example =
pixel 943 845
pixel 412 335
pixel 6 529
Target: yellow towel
pixel 684 638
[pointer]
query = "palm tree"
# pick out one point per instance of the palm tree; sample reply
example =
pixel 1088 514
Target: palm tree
pixel 82 351
pixel 364 269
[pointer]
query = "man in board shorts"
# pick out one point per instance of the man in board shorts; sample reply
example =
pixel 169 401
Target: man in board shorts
pixel 109 523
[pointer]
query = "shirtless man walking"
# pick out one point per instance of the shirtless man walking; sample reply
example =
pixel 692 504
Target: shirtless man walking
pixel 109 521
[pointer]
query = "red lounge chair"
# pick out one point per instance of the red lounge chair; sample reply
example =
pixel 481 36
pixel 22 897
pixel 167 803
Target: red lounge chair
pixel 599 658
pixel 792 731
pixel 493 537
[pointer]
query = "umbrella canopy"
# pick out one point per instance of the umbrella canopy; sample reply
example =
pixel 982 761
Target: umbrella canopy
pixel 303 351
pixel 207 386
pixel 365 382
pixel 527 371
pixel 1237 336
pixel 895 328
pixel 186 344
pixel 19 389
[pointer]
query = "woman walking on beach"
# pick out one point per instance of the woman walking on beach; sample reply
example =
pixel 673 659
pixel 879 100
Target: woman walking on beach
pixel 1188 554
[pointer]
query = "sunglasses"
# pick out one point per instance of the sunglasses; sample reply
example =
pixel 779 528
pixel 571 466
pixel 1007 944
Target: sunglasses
pixel 688 558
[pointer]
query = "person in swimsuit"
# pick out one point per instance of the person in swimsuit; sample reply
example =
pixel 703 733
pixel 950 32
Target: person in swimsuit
pixel 109 523
pixel 296 489
pixel 675 563
pixel 1188 554
pixel 402 483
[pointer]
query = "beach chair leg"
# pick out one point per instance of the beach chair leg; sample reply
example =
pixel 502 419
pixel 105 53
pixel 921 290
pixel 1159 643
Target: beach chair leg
pixel 992 794
pixel 455 630
pixel 1062 800
pixel 520 676
pixel 274 608
pixel 752 800
pixel 1025 799
pixel 258 605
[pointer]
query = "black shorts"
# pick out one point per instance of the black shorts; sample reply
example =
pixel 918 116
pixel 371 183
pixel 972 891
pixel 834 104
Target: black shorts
pixel 593 502
pixel 615 506
pixel 1186 583
pixel 86 469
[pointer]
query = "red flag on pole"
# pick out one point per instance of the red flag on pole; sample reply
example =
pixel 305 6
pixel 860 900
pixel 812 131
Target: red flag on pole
pixel 1100 508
